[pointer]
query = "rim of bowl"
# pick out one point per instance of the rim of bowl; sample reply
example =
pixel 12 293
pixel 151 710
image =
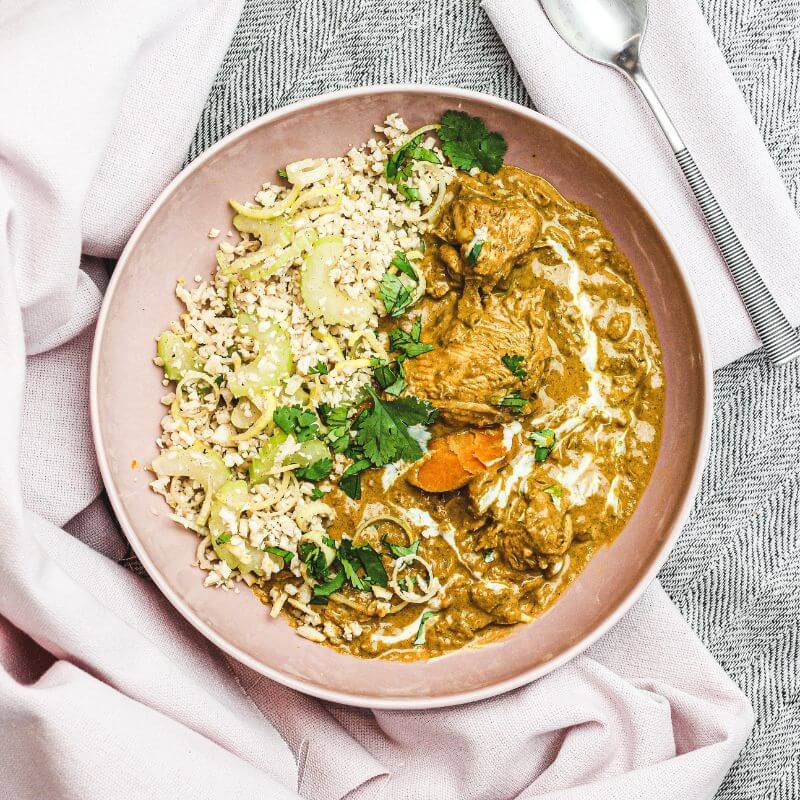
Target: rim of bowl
pixel 364 700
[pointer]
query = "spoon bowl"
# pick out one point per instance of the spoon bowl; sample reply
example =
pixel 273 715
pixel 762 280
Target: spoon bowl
pixel 606 31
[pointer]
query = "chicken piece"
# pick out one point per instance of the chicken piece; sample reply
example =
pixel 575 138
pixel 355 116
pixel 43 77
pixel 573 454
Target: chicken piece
pixel 464 376
pixel 499 600
pixel 507 224
pixel 453 461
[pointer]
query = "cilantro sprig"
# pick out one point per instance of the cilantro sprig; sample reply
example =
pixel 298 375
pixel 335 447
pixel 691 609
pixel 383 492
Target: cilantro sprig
pixel 399 164
pixel 514 364
pixel 468 143
pixel 513 402
pixel 396 296
pixel 299 422
pixel 545 441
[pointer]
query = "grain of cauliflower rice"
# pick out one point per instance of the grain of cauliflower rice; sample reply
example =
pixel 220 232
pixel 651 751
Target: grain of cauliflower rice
pixel 419 389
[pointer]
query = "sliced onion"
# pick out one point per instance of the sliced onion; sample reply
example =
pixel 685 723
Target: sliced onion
pixel 307 171
pixel 193 377
pixel 260 424
pixel 370 521
pixel 275 210
pixel 413 597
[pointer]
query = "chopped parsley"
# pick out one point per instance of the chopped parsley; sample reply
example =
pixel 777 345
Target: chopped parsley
pixel 286 555
pixel 513 402
pixel 224 538
pixel 467 142
pixel 282 173
pixel 317 493
pixel 408 342
pixel 402 264
pixel 420 637
pixel 475 252
pixel 514 364
pixel 302 424
pixel 320 368
pixel 545 441
pixel 316 471
pixel 396 296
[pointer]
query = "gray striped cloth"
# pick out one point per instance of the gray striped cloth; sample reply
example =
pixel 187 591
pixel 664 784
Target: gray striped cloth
pixel 735 571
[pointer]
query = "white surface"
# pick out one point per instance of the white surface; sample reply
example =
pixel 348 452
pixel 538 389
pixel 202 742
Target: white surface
pixel 105 691
pixel 695 85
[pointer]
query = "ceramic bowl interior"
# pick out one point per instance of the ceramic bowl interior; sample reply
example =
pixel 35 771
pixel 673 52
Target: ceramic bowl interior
pixel 171 242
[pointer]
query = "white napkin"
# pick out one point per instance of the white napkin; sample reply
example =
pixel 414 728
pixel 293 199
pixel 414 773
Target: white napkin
pixel 104 690
pixel 696 87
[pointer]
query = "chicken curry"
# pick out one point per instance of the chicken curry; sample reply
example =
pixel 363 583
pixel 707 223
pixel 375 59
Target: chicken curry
pixel 545 369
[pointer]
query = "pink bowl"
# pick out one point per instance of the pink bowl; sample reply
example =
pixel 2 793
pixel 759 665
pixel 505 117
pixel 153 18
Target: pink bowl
pixel 125 389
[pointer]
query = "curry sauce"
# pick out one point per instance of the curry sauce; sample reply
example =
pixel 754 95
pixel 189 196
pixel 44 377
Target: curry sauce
pixel 546 372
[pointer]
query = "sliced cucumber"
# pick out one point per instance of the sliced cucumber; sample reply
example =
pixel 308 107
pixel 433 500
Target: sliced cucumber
pixel 203 466
pixel 223 525
pixel 309 453
pixel 321 297
pixel 179 357
pixel 272 363
pixel 265 460
pixel 271 231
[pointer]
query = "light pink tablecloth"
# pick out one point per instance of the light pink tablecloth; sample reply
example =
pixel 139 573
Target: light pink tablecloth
pixel 104 691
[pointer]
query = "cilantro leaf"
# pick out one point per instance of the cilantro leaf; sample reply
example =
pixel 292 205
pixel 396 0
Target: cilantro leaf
pixel 389 376
pixel 286 555
pixel 224 538
pixel 395 295
pixel 398 551
pixel 383 429
pixel 514 364
pixel 409 192
pixel 317 493
pixel 513 402
pixel 408 342
pixel 475 252
pixel 545 441
pixel 402 264
pixel 350 482
pixel 399 163
pixel 316 471
pixel 467 142
pixel 282 173
pixel 371 561
pixel 301 423
pixel 329 587
pixel 311 555
pixel 420 637
pixel 320 368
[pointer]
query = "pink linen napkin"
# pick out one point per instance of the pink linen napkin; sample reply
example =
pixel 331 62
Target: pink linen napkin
pixel 695 85
pixel 104 690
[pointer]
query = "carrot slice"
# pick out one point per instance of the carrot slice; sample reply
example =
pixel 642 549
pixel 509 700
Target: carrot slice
pixel 454 460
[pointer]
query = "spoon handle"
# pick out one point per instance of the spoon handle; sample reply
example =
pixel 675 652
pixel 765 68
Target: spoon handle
pixel 779 338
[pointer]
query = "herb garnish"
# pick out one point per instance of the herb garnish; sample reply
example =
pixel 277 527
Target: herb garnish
pixel 398 550
pixel 338 422
pixel 420 637
pixel 315 471
pixel 320 368
pixel 286 555
pixel 382 431
pixel 224 538
pixel 513 402
pixel 408 342
pixel 555 492
pixel 514 364
pixel 489 555
pixel 302 424
pixel 330 586
pixel 545 441
pixel 474 252
pixel 467 142
pixel 317 493
pixel 282 173
pixel 389 375
pixel 398 166
pixel 396 296
pixel 402 264
pixel 313 557
pixel 350 482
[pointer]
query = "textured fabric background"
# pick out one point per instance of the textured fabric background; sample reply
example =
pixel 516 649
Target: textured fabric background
pixel 735 573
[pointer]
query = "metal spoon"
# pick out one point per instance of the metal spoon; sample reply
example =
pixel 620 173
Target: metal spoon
pixel 611 32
